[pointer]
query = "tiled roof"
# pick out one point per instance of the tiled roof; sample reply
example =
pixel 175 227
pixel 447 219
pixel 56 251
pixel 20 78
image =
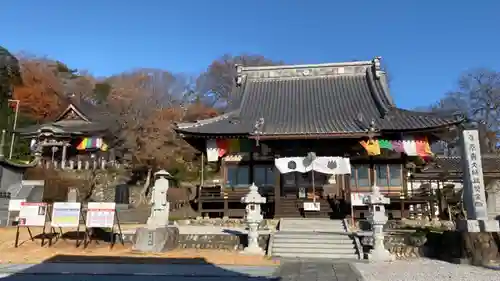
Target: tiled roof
pixel 323 100
pixel 491 164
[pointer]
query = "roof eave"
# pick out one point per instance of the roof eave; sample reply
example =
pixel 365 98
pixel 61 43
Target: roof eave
pixel 340 135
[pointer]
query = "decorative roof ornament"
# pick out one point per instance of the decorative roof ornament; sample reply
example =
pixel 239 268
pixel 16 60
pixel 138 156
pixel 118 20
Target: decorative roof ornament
pixel 371 130
pixel 377 66
pixel 239 74
pixel 259 125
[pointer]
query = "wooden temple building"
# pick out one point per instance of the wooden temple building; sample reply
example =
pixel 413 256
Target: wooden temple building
pixel 315 139
pixel 79 138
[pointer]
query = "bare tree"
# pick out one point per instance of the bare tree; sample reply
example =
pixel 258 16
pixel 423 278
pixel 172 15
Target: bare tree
pixel 217 82
pixel 478 98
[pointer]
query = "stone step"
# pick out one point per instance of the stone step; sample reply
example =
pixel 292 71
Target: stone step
pixel 328 245
pixel 318 220
pixel 308 241
pixel 305 226
pixel 336 225
pixel 320 256
pixel 312 234
pixel 281 250
pixel 313 229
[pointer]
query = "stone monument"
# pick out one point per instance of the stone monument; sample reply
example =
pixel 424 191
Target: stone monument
pixel 253 218
pixel 72 194
pixel 378 219
pixel 474 195
pixel 158 235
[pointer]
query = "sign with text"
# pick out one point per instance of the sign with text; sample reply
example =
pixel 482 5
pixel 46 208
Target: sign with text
pixel 474 194
pixel 358 198
pixel 66 214
pixel 311 206
pixel 101 214
pixel 32 214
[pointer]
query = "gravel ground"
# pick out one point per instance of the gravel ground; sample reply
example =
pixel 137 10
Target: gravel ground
pixel 425 270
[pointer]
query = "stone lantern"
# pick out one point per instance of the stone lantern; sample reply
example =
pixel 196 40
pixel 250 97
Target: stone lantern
pixel 253 218
pixel 378 219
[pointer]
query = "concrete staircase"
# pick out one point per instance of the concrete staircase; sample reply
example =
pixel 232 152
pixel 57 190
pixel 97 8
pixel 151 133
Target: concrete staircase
pixel 312 238
pixel 292 208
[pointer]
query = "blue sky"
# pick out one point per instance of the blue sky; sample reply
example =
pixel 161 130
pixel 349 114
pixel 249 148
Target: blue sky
pixel 426 44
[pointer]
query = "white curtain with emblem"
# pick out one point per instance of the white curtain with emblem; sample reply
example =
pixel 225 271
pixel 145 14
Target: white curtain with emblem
pixel 325 165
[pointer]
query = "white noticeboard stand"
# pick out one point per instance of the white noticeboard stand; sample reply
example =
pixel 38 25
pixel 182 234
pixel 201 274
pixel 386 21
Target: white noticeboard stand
pixel 103 215
pixel 14 206
pixel 358 198
pixel 66 214
pixel 31 215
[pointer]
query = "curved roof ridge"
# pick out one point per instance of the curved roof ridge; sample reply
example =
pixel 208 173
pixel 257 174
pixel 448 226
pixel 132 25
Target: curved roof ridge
pixel 298 66
pixel 197 123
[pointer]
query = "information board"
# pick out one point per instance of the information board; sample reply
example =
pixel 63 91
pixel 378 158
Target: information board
pixel 101 214
pixel 32 214
pixel 358 198
pixel 66 214
pixel 312 206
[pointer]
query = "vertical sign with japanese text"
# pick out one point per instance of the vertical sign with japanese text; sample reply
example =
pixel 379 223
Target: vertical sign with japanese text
pixel 474 194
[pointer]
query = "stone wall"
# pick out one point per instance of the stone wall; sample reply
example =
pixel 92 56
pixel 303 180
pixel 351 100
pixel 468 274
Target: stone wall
pixel 219 241
pixel 228 242
pixel 267 224
pixel 106 180
pixel 453 246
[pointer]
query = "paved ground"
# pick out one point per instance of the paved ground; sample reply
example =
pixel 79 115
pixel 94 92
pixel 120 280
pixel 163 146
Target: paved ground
pixel 317 270
pixel 289 270
pixel 133 272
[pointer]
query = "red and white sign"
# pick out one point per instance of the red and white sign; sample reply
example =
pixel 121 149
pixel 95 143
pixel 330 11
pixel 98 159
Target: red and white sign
pixel 32 214
pixel 101 214
pixel 358 198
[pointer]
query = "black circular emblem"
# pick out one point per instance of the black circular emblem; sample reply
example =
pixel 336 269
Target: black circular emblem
pixel 331 165
pixel 292 165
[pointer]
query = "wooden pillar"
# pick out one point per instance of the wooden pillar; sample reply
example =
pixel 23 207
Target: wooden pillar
pixel 64 156
pixel 226 207
pixel 277 193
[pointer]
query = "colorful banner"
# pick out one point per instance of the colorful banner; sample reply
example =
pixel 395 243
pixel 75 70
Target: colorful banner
pixel 411 146
pixel 372 147
pixel 220 147
pixel 66 214
pixel 92 143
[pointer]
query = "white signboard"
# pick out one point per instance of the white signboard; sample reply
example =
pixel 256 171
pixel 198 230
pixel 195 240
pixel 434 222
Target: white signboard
pixel 311 206
pixel 100 214
pixel 66 214
pixel 474 195
pixel 358 198
pixel 15 204
pixel 32 214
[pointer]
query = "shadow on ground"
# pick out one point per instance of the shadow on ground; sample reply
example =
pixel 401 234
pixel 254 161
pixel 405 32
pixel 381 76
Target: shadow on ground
pixel 106 268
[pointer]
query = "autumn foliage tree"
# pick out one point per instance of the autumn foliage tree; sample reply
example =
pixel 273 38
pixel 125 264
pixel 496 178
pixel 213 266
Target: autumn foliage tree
pixel 39 95
pixel 144 104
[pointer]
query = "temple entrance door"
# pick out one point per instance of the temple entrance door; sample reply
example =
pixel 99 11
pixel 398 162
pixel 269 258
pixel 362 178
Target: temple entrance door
pixel 300 185
pixel 289 188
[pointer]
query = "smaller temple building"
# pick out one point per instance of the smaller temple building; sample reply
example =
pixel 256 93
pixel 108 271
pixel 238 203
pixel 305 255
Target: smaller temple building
pixel 79 138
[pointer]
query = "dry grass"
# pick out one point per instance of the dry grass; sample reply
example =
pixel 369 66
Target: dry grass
pixel 31 252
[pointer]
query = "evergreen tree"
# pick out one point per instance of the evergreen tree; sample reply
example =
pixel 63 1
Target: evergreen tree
pixel 9 76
